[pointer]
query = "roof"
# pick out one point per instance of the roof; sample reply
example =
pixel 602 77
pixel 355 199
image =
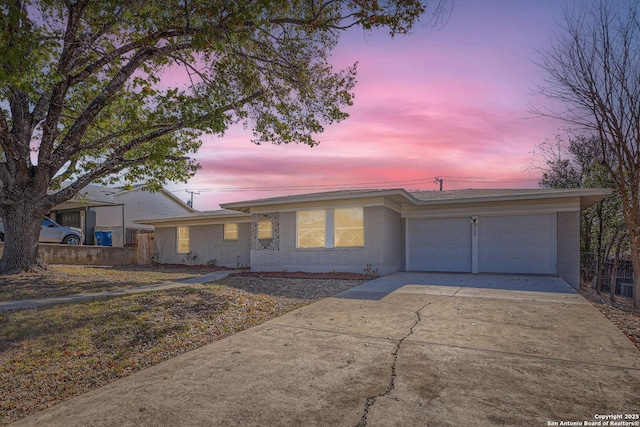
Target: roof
pixel 197 217
pixel 239 211
pixel 398 195
pixel 588 196
pixel 100 195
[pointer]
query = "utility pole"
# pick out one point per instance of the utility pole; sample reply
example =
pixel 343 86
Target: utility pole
pixel 439 180
pixel 190 203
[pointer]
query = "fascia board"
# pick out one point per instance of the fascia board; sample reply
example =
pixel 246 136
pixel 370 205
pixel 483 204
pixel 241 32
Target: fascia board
pixel 365 198
pixel 502 207
pixel 595 194
pixel 194 220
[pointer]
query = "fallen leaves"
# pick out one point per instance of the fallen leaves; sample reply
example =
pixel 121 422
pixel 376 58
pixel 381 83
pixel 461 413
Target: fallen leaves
pixel 53 353
pixel 60 280
pixel 621 313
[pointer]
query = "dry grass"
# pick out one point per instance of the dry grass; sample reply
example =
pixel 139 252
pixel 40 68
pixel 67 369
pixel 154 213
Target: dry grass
pixel 621 313
pixel 53 353
pixel 61 280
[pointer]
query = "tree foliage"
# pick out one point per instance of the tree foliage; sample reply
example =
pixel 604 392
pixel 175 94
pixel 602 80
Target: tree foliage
pixel 593 71
pixel 86 92
pixel 575 161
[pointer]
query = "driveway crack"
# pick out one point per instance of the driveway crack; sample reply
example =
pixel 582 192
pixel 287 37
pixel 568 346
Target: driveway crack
pixel 392 381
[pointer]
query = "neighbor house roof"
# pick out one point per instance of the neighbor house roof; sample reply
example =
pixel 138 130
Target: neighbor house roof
pixel 94 195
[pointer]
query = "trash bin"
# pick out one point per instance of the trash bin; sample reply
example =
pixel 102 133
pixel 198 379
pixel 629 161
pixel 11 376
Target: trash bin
pixel 103 238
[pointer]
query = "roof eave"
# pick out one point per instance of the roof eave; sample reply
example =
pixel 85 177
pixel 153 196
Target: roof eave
pixel 399 194
pixel 193 217
pixel 588 197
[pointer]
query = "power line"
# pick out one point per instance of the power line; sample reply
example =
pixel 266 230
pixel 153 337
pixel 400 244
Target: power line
pixel 367 185
pixel 439 181
pixel 316 186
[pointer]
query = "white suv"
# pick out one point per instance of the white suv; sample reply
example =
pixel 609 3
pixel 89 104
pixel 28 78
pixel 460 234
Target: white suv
pixel 52 232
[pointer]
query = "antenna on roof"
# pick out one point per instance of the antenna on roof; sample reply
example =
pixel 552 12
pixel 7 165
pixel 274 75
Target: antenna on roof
pixel 439 180
pixel 190 202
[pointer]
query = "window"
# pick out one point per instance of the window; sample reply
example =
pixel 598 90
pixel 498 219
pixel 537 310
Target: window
pixel 348 228
pixel 339 228
pixel 70 219
pixel 230 232
pixel 48 223
pixel 311 229
pixel 182 240
pixel 265 229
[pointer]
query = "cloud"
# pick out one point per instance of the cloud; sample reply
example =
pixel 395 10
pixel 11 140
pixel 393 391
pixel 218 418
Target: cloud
pixel 449 103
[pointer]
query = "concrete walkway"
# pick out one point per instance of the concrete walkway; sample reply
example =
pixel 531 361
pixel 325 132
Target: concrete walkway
pixel 403 350
pixel 39 302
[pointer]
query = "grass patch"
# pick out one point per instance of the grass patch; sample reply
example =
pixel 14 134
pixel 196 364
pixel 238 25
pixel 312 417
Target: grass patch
pixel 50 354
pixel 61 280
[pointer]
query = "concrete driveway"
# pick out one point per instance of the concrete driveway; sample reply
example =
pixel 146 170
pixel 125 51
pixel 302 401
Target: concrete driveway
pixel 403 350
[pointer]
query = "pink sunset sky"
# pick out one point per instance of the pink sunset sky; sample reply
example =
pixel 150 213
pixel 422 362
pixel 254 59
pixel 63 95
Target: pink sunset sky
pixel 451 102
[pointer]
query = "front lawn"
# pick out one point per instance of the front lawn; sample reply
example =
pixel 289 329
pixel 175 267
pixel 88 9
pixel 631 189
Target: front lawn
pixel 60 280
pixel 56 352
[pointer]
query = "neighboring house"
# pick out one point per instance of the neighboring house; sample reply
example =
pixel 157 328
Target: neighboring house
pixel 384 231
pixel 100 208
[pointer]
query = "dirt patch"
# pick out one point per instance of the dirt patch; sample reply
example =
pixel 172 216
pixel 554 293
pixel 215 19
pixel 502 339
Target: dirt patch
pixel 303 275
pixel 51 354
pixel 59 280
pixel 307 289
pixel 621 313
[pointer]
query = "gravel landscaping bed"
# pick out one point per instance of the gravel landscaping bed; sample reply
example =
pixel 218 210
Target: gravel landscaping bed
pixel 51 354
pixel 306 289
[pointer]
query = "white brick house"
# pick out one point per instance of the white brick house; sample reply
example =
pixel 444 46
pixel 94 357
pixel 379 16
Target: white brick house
pixel 470 231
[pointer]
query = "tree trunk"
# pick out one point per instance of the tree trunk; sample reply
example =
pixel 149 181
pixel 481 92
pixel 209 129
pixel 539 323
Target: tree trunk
pixel 22 223
pixel 599 254
pixel 586 230
pixel 614 273
pixel 634 245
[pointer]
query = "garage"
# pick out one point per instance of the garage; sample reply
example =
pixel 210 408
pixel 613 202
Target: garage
pixel 441 244
pixel 517 244
pixel 483 244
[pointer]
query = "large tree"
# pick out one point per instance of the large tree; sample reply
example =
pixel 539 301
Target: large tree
pixel 593 70
pixel 85 93
pixel 575 161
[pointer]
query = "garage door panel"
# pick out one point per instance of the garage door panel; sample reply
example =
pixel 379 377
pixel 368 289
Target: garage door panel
pixel 517 244
pixel 439 245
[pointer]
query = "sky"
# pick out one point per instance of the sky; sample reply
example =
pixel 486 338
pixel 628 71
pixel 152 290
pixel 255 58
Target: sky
pixel 451 102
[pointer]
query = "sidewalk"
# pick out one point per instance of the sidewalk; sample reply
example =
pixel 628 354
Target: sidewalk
pixel 39 302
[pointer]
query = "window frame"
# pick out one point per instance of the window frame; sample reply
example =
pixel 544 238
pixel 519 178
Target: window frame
pixel 329 229
pixel 225 231
pixel 336 243
pixel 324 229
pixel 260 230
pixel 183 239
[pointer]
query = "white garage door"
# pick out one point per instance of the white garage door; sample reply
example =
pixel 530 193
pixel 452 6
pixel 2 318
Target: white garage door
pixel 517 244
pixel 439 245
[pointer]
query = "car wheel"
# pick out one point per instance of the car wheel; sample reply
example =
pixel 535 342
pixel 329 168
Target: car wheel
pixel 71 240
pixel 1 237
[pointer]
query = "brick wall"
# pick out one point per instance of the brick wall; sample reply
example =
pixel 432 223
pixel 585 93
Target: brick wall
pixel 381 249
pixel 206 243
pixel 569 247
